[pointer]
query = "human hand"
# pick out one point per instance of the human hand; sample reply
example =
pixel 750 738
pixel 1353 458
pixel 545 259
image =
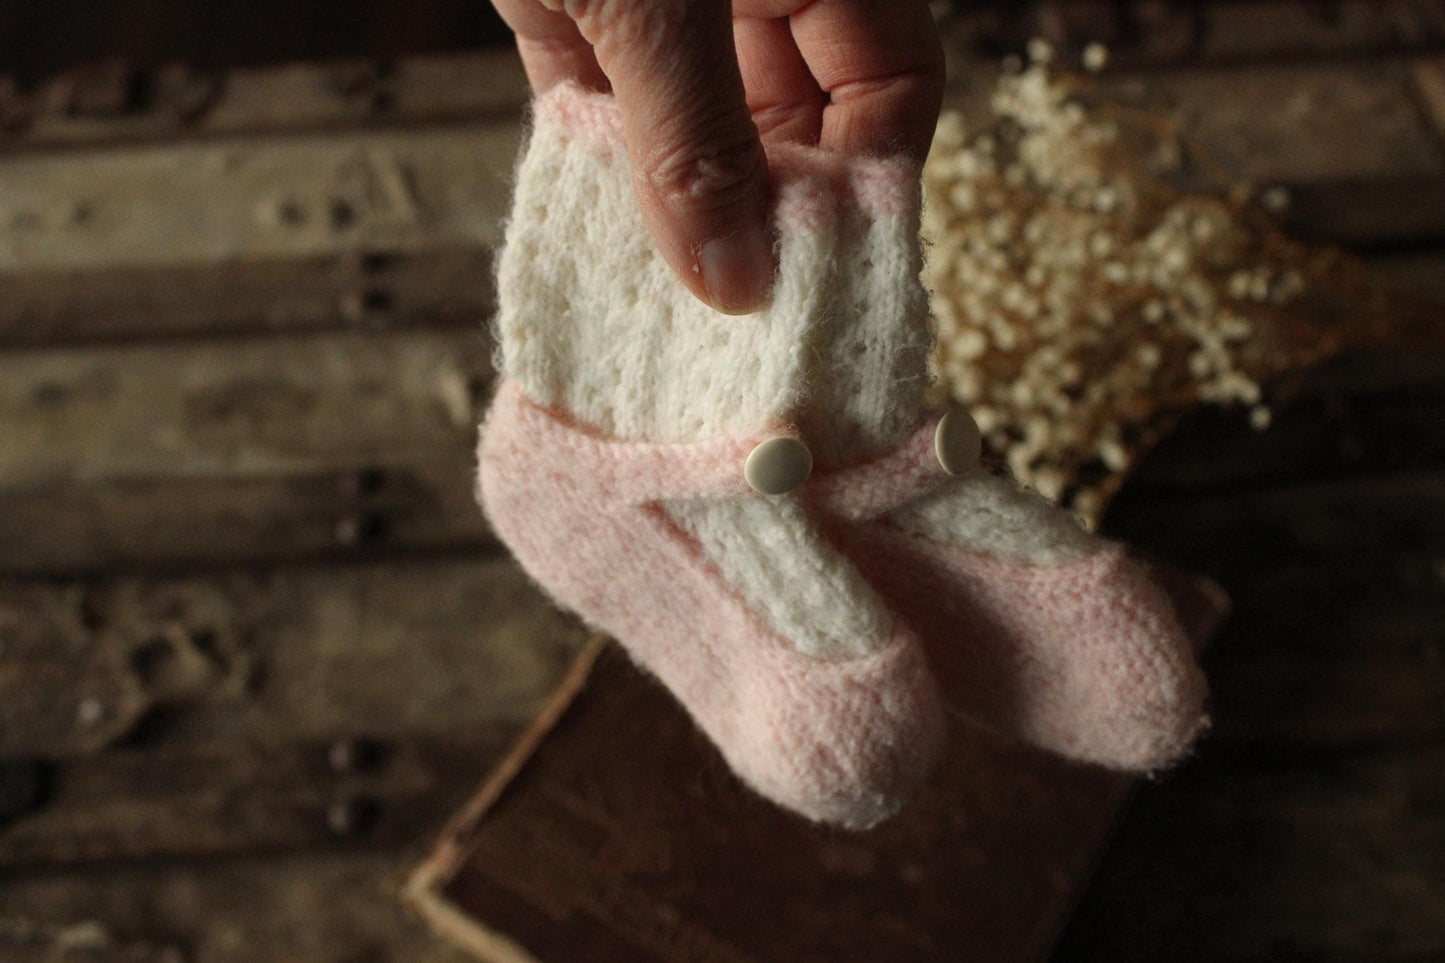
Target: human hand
pixel 704 85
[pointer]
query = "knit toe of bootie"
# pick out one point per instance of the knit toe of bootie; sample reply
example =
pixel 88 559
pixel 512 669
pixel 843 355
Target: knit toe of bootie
pixel 614 459
pixel 1037 629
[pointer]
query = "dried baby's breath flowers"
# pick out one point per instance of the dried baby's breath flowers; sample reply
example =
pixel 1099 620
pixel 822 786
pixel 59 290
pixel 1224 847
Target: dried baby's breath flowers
pixel 1084 300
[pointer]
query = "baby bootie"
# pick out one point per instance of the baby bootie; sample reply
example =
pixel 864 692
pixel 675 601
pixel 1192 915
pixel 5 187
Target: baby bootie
pixel 649 460
pixel 1035 628
pixel 1039 631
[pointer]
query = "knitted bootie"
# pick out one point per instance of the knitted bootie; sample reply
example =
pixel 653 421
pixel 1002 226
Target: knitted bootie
pixel 1073 648
pixel 1034 628
pixel 615 460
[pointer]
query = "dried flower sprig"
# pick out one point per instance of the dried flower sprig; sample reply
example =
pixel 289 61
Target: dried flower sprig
pixel 1085 300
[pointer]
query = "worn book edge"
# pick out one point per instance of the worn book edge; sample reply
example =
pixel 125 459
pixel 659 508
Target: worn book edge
pixel 424 890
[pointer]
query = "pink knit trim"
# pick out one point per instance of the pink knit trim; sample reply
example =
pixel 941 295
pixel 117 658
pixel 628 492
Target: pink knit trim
pixel 589 115
pixel 875 186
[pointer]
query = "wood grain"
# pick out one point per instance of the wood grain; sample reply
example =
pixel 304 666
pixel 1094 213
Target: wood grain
pixel 1329 857
pixel 244 799
pixel 254 407
pixel 367 288
pixel 314 906
pixel 386 503
pixel 300 196
pixel 268 656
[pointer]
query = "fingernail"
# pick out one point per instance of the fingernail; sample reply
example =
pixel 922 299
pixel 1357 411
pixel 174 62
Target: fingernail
pixel 737 270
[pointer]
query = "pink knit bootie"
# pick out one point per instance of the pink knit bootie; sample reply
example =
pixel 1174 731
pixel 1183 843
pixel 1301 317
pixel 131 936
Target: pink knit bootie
pixel 1034 628
pixel 839 740
pixel 642 458
pixel 761 510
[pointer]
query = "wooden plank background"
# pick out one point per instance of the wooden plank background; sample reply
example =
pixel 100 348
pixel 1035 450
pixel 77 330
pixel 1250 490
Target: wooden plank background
pixel 255 642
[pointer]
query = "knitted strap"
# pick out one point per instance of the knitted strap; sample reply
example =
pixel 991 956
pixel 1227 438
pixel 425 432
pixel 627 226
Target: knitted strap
pixel 877 487
pixel 632 472
pixel 642 472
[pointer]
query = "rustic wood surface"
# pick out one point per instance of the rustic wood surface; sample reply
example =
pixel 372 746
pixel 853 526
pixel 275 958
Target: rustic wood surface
pixel 255 644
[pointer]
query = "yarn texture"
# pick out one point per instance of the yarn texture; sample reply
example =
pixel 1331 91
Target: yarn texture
pixel 814 636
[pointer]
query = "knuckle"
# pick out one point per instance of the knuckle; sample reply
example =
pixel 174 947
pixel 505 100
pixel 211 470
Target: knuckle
pixel 585 12
pixel 706 177
pixel 773 117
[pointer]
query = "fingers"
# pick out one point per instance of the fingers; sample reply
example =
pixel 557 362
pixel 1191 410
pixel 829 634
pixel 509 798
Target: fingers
pixel 785 101
pixel 698 165
pixel 552 48
pixel 880 63
pixel 856 76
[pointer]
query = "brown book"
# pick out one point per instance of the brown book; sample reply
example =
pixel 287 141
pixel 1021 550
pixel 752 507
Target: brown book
pixel 614 832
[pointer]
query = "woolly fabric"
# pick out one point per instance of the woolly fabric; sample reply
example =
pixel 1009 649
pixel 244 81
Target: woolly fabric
pixel 611 464
pixel 842 741
pixel 592 321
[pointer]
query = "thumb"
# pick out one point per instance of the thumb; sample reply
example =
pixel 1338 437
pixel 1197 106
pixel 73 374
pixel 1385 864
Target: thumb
pixel 698 166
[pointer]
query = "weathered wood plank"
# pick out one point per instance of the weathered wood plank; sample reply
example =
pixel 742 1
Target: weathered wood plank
pixel 1368 213
pixel 301 196
pixel 309 652
pixel 1351 418
pixel 113 102
pixel 1324 124
pixel 1346 142
pixel 1162 37
pixel 1290 701
pixel 248 798
pixel 1414 279
pixel 253 233
pixel 310 907
pixel 1428 74
pixel 371 499
pixel 1288 30
pixel 381 505
pixel 1236 535
pixel 163 455
pixel 314 230
pixel 253 407
pixel 31 941
pixel 366 290
pixel 1332 858
pixel 412 90
pixel 1391 604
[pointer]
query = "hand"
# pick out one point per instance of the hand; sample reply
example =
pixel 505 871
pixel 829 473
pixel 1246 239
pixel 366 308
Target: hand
pixel 703 85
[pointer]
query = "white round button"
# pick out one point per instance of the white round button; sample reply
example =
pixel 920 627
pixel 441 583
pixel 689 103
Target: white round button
pixel 778 465
pixel 958 442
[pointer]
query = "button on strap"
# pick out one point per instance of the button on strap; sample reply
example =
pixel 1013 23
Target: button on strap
pixel 778 465
pixel 957 442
